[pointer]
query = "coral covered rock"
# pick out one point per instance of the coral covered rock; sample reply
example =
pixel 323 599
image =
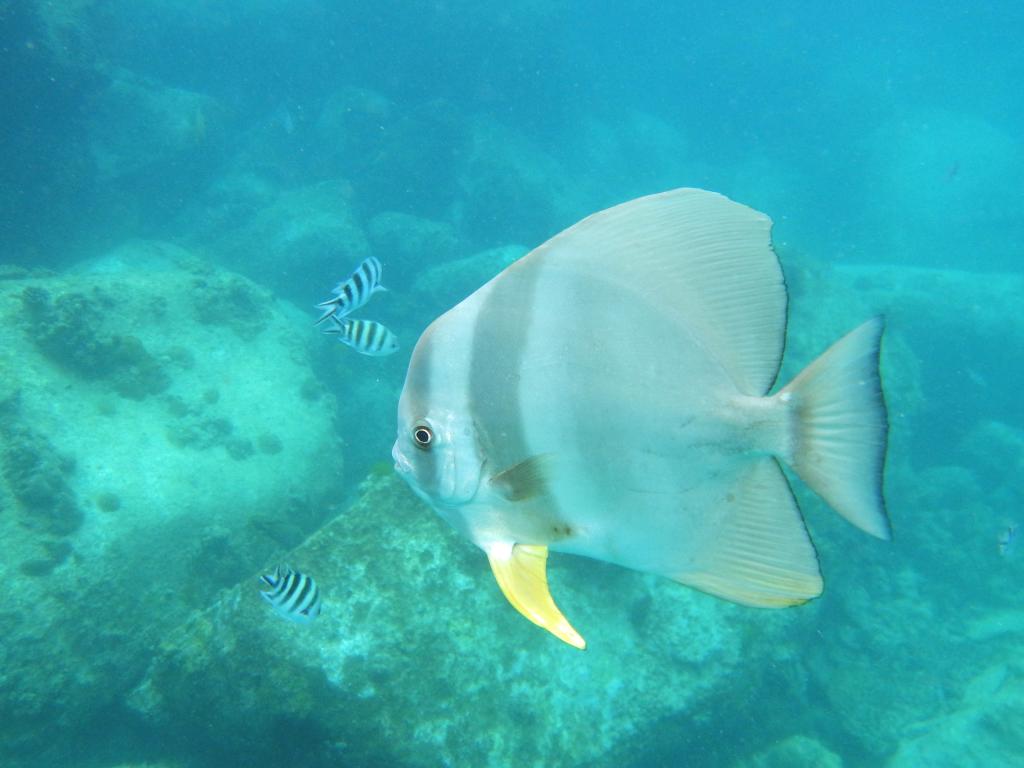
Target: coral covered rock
pixel 417 659
pixel 155 445
pixel 304 241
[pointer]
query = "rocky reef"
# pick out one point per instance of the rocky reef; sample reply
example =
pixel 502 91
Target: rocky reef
pixel 417 660
pixel 170 425
pixel 158 438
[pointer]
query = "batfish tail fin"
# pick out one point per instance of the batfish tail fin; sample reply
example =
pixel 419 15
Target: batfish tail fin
pixel 841 427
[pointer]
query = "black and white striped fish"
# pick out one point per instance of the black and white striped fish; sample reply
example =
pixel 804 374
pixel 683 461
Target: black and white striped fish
pixel 354 292
pixel 367 337
pixel 293 595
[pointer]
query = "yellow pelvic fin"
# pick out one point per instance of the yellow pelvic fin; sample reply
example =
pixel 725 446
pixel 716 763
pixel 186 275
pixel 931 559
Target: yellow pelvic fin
pixel 521 571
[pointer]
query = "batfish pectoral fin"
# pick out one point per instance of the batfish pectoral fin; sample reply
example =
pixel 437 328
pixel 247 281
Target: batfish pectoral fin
pixel 521 571
pixel 526 480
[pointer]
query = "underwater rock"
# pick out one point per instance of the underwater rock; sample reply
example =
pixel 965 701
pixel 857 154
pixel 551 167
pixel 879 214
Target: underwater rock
pixel 984 730
pixel 512 190
pixel 635 154
pixel 303 243
pixel 70 332
pixel 445 283
pixel 795 752
pixel 38 476
pixel 417 660
pixel 138 124
pixel 350 127
pixel 113 528
pixel 943 191
pixel 406 244
pixel 399 156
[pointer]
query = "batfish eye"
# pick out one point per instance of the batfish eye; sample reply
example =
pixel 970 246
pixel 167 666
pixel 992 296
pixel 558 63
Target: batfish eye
pixel 423 436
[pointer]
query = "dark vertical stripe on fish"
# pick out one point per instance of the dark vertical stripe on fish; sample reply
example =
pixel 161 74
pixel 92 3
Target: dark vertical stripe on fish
pixel 280 587
pixel 311 598
pixel 293 584
pixel 305 584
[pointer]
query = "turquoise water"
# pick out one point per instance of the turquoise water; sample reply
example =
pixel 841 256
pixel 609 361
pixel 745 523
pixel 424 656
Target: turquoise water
pixel 181 182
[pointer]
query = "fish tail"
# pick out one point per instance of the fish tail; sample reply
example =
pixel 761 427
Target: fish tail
pixel 331 310
pixel 840 427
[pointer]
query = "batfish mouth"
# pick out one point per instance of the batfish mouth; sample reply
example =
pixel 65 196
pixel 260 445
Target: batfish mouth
pixel 456 483
pixel 402 465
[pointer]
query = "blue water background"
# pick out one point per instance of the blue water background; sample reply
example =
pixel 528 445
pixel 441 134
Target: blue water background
pixel 873 133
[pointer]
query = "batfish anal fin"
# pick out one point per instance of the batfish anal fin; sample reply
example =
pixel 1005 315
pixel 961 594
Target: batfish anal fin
pixel 521 572
pixel 526 480
pixel 760 554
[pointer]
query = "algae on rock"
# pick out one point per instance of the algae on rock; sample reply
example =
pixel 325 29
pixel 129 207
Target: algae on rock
pixel 150 455
pixel 417 660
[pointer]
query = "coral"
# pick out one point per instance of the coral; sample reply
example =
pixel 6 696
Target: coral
pixel 101 518
pixel 239 448
pixel 69 330
pixel 200 434
pixel 56 552
pixel 269 443
pixel 399 588
pixel 796 752
pixel 37 475
pixel 985 729
pixel 108 502
pixel 229 300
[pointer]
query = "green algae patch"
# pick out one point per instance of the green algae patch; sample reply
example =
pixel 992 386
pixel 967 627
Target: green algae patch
pixel 37 476
pixel 229 300
pixel 70 330
pixel 269 443
pixel 108 502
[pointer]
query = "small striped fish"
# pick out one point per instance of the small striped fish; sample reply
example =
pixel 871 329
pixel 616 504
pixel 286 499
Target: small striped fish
pixel 293 595
pixel 353 293
pixel 367 337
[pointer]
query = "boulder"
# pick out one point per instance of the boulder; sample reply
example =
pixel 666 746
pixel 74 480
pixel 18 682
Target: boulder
pixel 984 729
pixel 417 659
pixel 512 189
pixel 408 244
pixel 161 433
pixel 302 242
pixel 141 126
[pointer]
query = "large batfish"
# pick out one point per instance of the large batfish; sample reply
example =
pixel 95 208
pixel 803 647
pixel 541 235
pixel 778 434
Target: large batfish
pixel 607 395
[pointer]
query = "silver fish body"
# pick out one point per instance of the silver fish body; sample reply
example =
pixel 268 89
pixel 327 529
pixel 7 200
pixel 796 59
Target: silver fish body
pixel 293 595
pixel 367 337
pixel 607 395
pixel 355 291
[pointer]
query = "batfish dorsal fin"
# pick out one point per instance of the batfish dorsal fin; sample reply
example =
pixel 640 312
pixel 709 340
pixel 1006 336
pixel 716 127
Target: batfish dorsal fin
pixel 760 554
pixel 521 572
pixel 701 258
pixel 523 481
